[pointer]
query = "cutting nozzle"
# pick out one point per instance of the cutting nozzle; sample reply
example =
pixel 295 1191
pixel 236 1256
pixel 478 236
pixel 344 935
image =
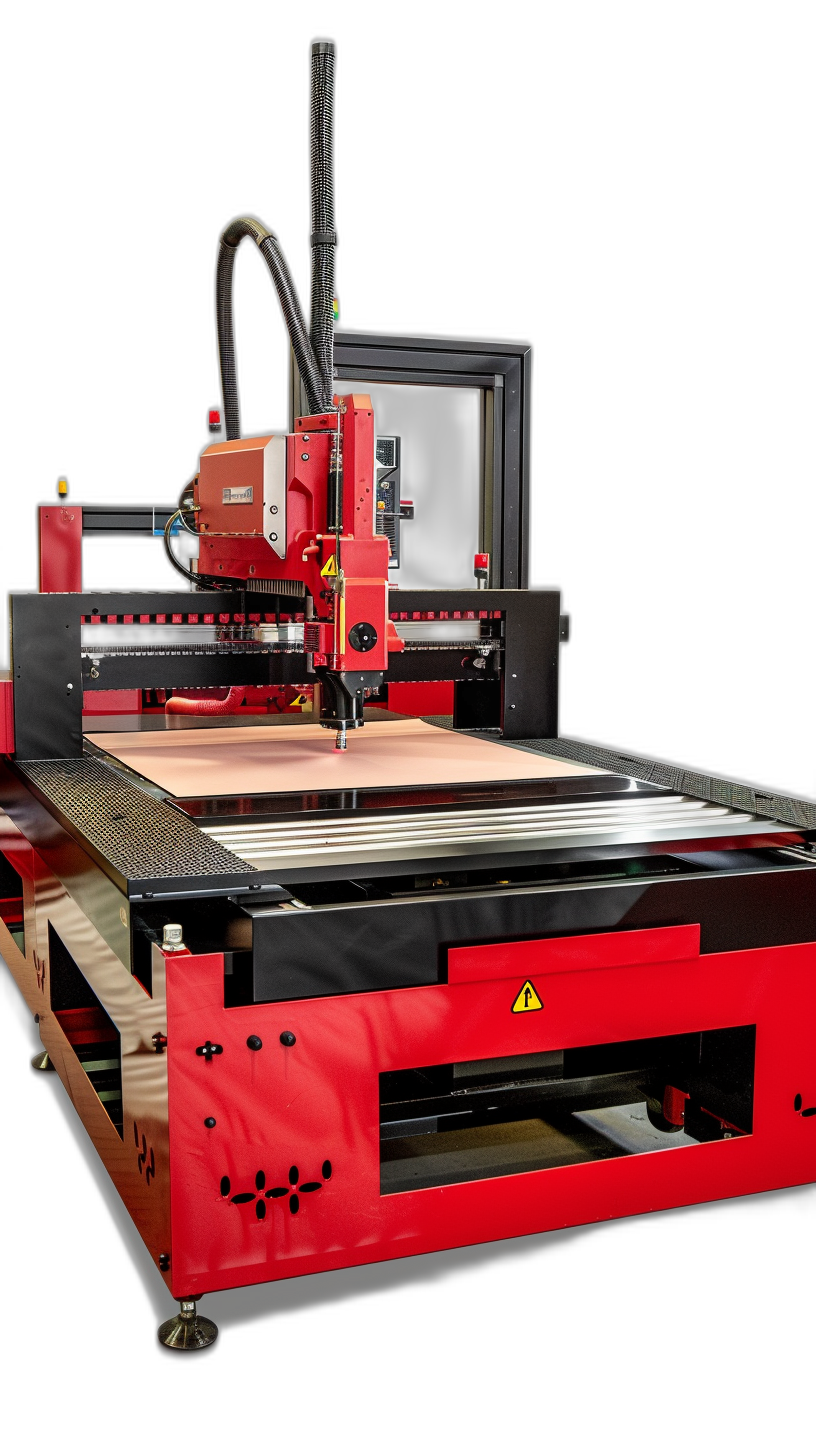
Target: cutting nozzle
pixel 340 741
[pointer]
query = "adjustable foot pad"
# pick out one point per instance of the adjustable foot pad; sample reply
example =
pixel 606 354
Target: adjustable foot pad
pixel 41 1062
pixel 187 1330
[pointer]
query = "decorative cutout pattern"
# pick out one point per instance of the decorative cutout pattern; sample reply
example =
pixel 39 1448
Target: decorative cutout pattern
pixel 292 1191
pixel 145 1156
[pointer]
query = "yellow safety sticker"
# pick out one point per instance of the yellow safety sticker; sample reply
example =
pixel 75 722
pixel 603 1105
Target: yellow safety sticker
pixel 528 999
pixel 299 702
pixel 330 569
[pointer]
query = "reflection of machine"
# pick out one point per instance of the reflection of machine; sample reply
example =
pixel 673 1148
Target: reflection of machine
pixel 321 1009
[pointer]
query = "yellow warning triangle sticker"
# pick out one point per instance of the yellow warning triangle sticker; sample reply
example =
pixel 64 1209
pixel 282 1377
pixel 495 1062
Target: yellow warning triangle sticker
pixel 330 569
pixel 528 999
pixel 299 702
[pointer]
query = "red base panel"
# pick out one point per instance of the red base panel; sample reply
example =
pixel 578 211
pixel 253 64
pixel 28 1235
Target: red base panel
pixel 302 1121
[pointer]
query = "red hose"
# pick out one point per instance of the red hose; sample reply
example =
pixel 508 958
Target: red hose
pixel 207 707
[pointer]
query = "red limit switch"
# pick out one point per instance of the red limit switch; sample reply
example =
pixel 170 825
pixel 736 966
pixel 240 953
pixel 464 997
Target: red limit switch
pixel 481 567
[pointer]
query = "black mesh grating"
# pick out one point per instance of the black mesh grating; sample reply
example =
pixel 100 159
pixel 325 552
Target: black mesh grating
pixel 683 780
pixel 141 837
pixel 781 807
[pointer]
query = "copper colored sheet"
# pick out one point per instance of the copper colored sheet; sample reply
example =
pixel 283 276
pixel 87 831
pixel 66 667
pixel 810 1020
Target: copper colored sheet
pixel 300 758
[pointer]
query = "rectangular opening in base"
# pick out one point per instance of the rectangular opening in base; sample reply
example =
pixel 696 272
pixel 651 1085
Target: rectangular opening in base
pixel 89 1029
pixel 463 1121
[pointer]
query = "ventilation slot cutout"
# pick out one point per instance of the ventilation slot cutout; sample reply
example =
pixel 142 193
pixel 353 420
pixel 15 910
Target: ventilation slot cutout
pixel 90 1031
pixel 11 902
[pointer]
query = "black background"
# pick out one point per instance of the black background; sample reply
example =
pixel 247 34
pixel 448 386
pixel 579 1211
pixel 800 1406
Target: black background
pixel 628 224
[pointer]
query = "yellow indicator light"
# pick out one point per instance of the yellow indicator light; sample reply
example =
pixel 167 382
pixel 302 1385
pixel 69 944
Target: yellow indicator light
pixel 62 486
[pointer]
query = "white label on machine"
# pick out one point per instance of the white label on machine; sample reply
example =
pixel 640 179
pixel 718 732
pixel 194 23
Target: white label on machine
pixel 242 497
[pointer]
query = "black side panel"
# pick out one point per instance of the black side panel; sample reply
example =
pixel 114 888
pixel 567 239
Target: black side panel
pixel 46 657
pixel 532 627
pixel 47 669
pixel 378 946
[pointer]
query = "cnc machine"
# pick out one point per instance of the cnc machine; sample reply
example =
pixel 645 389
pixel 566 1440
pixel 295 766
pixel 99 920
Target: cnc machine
pixel 341 952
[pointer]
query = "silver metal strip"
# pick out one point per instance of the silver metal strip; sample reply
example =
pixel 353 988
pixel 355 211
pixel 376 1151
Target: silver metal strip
pixel 398 823
pixel 286 632
pixel 232 646
pixel 402 836
pixel 448 630
pixel 274 494
pixel 100 637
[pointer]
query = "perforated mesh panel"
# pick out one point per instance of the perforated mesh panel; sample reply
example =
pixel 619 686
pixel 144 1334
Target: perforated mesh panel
pixel 141 837
pixel 781 807
pixel 700 786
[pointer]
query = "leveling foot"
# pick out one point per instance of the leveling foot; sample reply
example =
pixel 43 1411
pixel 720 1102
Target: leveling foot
pixel 41 1062
pixel 187 1330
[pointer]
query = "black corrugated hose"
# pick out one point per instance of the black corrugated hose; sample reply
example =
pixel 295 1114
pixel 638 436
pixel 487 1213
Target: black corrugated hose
pixel 249 227
pixel 198 578
pixel 314 355
pixel 324 238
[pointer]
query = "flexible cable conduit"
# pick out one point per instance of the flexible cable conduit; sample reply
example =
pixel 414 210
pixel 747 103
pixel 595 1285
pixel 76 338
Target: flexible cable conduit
pixel 206 707
pixel 249 227
pixel 324 238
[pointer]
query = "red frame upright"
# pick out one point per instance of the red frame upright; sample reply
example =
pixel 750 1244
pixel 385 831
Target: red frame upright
pixel 60 548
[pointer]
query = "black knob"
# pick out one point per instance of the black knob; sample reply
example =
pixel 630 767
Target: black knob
pixel 254 1043
pixel 209 1122
pixel 362 637
pixel 164 1262
pixel 287 1038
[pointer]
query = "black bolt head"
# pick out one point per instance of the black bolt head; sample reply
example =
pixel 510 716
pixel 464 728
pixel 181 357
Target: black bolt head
pixel 287 1038
pixel 254 1043
pixel 209 1122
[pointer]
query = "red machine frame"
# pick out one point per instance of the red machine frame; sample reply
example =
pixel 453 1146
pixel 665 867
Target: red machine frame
pixel 295 1128
pixel 328 1085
